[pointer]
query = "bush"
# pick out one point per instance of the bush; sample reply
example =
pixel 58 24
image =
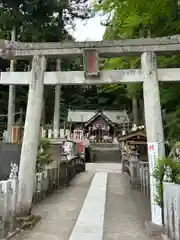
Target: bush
pixel 166 169
pixel 44 156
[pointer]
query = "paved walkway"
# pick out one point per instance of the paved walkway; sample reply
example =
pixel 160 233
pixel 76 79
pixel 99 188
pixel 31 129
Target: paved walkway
pixel 98 205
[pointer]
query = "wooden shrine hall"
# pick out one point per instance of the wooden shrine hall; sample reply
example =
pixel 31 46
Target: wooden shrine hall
pixel 136 140
pixel 98 126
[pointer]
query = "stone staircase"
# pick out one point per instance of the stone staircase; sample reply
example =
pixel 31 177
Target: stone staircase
pixel 106 152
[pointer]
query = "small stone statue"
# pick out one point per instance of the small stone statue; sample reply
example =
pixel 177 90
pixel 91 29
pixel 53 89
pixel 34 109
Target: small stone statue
pixel 14 171
pixel 168 173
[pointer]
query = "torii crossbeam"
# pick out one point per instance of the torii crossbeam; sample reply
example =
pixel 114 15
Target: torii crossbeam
pixel 161 46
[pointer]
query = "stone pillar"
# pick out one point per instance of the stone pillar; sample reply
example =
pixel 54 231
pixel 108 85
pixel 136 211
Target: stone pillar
pixel 134 168
pixel 123 158
pixel 154 125
pixel 152 105
pixel 57 104
pixel 11 100
pixel 31 137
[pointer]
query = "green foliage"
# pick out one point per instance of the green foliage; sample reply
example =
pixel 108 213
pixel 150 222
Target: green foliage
pixel 175 151
pixel 143 18
pixel 44 156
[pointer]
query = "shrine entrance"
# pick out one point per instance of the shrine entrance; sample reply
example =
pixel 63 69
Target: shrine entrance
pixel 99 128
pixel 99 133
pixel 149 75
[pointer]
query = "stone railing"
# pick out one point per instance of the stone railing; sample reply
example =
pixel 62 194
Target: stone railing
pixel 54 176
pixel 125 157
pixel 49 133
pixel 130 165
pixel 105 139
pixel 137 171
pixel 171 196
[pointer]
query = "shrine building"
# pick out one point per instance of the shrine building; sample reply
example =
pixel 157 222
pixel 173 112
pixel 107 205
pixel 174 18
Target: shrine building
pixel 98 126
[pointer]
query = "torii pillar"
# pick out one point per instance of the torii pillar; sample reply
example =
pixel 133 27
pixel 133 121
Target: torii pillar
pixel 56 123
pixel 27 169
pixel 154 125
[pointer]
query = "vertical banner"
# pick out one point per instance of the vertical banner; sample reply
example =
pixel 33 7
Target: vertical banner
pixel 156 212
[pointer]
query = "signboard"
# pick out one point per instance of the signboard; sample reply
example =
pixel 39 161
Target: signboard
pixel 91 63
pixel 68 147
pixel 156 212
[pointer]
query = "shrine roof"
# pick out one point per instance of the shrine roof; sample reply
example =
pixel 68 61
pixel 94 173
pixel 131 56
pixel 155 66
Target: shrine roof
pixel 137 135
pixel 100 114
pixel 118 117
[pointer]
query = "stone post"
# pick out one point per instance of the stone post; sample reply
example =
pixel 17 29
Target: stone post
pixel 56 124
pixel 31 137
pixel 154 126
pixel 11 100
pixel 134 168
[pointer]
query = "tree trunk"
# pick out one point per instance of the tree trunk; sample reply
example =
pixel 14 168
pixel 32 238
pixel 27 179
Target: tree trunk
pixel 142 117
pixel 135 111
pixel 43 117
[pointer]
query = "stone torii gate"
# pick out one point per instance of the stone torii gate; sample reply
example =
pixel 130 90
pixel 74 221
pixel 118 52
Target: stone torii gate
pixel 149 75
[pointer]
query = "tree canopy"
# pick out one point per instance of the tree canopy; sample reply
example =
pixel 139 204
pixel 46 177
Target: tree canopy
pixel 145 18
pixel 42 21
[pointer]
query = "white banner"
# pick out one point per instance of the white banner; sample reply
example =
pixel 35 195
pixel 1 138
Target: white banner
pixel 156 213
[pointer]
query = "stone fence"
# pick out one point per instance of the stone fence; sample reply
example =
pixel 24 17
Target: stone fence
pixel 17 134
pixel 55 175
pixel 171 198
pixel 137 171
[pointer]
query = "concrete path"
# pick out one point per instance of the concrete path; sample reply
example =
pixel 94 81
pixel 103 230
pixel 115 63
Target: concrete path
pixel 98 205
pixel 126 210
pixel 104 167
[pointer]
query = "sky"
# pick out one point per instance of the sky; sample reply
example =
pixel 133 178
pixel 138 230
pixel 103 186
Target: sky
pixel 91 30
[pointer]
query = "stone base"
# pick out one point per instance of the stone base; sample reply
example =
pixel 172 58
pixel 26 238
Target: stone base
pixel 154 230
pixel 4 226
pixel 11 235
pixel 135 183
pixel 161 237
pixel 164 237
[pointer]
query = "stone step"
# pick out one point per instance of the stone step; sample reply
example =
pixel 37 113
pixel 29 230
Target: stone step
pixel 107 155
pixel 104 145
